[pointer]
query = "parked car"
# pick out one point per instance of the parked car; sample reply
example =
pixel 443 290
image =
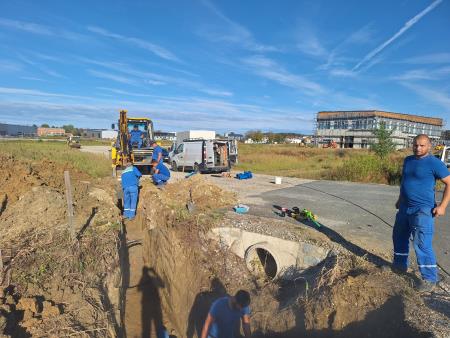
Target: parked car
pixel 204 156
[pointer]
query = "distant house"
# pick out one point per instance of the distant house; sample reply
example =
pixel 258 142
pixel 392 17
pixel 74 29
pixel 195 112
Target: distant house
pixel 263 141
pixel 234 136
pixel 41 131
pixel 109 134
pixel 92 133
pixel 17 130
pixel 295 140
pixel 167 136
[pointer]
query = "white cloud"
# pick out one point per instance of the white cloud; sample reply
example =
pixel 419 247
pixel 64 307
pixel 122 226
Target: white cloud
pixel 269 69
pixel 215 92
pixel 113 77
pixel 10 66
pixel 124 92
pixel 26 27
pixel 433 95
pixel 232 32
pixel 429 59
pixel 38 29
pixel 309 44
pixel 158 79
pixel 410 23
pixel 423 74
pixel 151 47
pixel 34 92
pixel 336 59
pixel 170 113
pixel 341 72
pixel 32 78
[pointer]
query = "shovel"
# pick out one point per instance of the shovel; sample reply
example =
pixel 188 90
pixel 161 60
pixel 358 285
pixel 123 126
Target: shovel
pixel 190 204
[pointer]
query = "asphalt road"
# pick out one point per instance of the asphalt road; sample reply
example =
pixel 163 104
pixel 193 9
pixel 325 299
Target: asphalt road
pixel 361 213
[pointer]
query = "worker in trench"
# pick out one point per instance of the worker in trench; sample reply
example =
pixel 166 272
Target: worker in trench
pixel 224 316
pixel 417 209
pixel 130 186
pixel 160 174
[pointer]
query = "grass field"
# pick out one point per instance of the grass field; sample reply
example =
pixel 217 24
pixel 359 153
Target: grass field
pixel 317 163
pixel 94 165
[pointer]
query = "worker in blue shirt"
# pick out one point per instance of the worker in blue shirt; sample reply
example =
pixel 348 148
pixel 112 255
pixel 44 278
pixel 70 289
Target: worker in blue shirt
pixel 130 186
pixel 417 209
pixel 136 136
pixel 160 173
pixel 157 152
pixel 224 315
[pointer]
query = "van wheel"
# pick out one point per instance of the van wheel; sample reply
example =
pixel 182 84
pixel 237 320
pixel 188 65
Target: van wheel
pixel 174 166
pixel 196 167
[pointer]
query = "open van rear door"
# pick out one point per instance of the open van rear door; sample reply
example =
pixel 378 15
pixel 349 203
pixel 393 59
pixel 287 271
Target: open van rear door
pixel 233 152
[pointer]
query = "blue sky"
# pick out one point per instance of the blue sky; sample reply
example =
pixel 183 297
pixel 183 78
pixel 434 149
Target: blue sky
pixel 222 65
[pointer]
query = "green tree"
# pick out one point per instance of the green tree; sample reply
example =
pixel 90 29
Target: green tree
pixel 280 138
pixel 45 125
pixel 69 128
pixel 255 135
pixel 384 144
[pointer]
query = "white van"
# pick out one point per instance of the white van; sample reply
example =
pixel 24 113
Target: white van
pixel 202 155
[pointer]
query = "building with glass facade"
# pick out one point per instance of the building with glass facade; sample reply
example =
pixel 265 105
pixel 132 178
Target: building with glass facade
pixel 353 129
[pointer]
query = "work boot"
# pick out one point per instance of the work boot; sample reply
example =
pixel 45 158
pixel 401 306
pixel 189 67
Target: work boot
pixel 425 286
pixel 401 270
pixel 395 269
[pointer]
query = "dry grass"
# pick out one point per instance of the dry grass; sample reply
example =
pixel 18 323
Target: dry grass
pixel 317 163
pixel 57 151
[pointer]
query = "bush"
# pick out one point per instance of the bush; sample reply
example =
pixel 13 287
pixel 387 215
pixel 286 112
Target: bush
pixel 369 168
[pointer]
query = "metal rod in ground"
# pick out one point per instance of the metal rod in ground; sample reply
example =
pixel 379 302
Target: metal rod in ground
pixel 69 204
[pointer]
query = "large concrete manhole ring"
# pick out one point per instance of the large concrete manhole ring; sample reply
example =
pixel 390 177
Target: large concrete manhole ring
pixel 261 262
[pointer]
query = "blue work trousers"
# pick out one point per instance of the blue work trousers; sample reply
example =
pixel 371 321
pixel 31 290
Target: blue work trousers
pixel 130 198
pixel 418 223
pixel 160 178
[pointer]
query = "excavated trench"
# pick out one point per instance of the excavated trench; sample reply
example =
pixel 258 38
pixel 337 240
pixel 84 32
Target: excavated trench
pixel 172 275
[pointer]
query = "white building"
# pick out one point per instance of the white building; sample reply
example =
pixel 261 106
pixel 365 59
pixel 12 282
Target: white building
pixel 353 129
pixel 109 134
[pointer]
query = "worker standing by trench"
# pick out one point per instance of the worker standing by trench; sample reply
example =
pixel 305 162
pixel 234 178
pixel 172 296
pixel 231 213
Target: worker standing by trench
pixel 417 209
pixel 157 152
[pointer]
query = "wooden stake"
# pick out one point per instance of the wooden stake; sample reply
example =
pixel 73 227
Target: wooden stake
pixel 69 204
pixel 1 267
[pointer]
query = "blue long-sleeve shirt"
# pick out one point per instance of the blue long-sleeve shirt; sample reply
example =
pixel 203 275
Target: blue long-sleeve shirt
pixel 130 176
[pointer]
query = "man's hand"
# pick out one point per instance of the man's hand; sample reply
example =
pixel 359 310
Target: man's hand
pixel 246 326
pixel 439 211
pixel 208 322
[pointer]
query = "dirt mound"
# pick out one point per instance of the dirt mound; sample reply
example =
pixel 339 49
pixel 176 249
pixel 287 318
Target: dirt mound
pixel 18 176
pixel 47 270
pixel 206 196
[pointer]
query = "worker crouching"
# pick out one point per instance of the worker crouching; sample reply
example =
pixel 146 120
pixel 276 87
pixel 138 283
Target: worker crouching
pixel 130 187
pixel 160 173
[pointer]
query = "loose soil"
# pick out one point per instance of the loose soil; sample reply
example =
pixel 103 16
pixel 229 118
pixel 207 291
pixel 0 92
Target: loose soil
pixel 53 286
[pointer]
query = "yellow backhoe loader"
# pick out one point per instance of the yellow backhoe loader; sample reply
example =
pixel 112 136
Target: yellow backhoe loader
pixel 129 147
